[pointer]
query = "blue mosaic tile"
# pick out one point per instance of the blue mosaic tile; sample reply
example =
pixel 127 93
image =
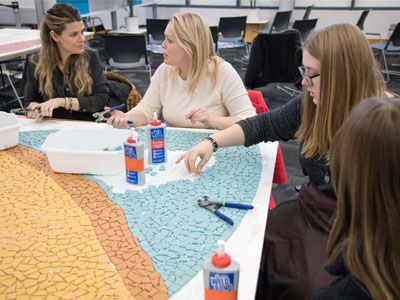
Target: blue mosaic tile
pixel 167 220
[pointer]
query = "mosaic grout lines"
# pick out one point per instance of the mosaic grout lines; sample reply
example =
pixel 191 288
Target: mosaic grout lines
pixel 109 225
pixel 47 243
pixel 172 230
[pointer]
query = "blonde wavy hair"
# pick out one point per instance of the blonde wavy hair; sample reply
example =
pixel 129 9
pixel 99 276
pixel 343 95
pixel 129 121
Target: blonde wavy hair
pixel 364 157
pixel 55 20
pixel 194 36
pixel 349 74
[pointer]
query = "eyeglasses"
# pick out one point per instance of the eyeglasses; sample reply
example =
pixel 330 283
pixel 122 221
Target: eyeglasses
pixel 307 77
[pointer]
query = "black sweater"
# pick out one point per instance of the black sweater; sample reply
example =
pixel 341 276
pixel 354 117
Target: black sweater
pixel 87 104
pixel 282 124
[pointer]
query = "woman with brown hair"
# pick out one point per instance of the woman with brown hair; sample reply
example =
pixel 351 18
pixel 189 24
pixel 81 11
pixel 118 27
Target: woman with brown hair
pixel 363 245
pixel 65 80
pixel 339 72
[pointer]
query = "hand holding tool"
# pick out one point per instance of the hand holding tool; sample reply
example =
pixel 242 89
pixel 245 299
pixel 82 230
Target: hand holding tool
pixel 105 115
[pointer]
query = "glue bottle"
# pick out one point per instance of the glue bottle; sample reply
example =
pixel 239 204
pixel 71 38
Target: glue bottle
pixel 156 141
pixel 221 276
pixel 134 159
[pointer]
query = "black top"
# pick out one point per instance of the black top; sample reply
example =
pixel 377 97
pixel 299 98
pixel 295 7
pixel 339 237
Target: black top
pixel 282 124
pixel 343 288
pixel 87 104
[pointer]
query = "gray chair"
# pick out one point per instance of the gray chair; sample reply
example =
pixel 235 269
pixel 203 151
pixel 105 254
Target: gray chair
pixel 308 11
pixel 127 53
pixel 232 30
pixel 390 47
pixel 155 30
pixel 304 27
pixel 361 20
pixel 281 21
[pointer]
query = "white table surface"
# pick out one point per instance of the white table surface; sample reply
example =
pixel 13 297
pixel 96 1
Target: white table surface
pixel 124 31
pixel 244 245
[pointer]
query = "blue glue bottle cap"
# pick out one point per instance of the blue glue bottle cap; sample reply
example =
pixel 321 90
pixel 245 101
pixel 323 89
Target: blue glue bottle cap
pixel 221 259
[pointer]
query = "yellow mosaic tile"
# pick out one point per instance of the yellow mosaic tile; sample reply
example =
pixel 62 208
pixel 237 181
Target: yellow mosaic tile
pixel 41 219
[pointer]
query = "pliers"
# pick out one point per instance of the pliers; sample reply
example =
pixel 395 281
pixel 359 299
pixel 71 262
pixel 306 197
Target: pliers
pixel 103 116
pixel 214 205
pixel 22 111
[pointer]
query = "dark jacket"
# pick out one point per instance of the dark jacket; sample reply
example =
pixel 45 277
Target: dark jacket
pixel 343 288
pixel 294 248
pixel 88 104
pixel 122 91
pixel 274 58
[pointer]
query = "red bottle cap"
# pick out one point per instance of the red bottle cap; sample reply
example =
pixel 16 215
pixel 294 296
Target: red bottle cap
pixel 221 262
pixel 155 122
pixel 131 140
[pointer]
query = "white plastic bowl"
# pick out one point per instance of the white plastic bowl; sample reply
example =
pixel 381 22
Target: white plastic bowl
pixel 9 130
pixel 81 151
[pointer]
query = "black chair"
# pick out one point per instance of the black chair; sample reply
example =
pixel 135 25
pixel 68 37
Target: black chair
pixel 155 30
pixel 389 47
pixel 305 27
pixel 308 11
pixel 214 34
pixel 231 29
pixel 361 20
pixel 274 58
pixel 281 21
pixel 127 52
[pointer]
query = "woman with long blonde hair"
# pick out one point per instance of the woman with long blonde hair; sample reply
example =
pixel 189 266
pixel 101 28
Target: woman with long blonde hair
pixel 65 80
pixel 193 87
pixel 363 245
pixel 339 71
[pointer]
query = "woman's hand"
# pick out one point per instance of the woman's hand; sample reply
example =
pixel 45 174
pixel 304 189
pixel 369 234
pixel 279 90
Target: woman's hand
pixel 46 108
pixel 200 114
pixel 203 150
pixel 34 111
pixel 118 119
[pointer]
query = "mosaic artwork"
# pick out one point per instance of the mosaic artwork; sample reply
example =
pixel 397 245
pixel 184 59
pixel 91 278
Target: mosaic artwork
pixel 68 236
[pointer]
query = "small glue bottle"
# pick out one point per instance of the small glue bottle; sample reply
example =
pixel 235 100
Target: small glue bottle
pixel 156 138
pixel 221 276
pixel 134 159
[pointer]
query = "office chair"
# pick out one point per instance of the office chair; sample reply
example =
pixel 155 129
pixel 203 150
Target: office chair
pixel 155 30
pixel 274 58
pixel 127 53
pixel 361 20
pixel 304 27
pixel 308 11
pixel 389 47
pixel 232 30
pixel 281 21
pixel 214 34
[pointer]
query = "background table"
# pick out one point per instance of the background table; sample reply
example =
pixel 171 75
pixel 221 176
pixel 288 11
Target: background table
pixel 244 244
pixel 17 42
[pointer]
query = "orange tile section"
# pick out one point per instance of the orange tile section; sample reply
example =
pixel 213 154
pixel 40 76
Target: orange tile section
pixel 109 223
pixel 47 242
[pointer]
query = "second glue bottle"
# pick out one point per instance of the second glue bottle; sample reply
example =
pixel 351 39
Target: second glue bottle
pixel 221 276
pixel 156 141
pixel 134 159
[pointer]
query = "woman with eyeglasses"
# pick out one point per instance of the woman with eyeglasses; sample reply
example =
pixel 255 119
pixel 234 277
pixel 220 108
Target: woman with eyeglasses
pixel 339 72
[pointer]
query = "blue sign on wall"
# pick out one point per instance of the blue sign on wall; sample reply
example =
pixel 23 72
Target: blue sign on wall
pixel 81 5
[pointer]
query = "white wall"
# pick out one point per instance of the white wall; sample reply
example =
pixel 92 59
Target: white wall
pixel 377 21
